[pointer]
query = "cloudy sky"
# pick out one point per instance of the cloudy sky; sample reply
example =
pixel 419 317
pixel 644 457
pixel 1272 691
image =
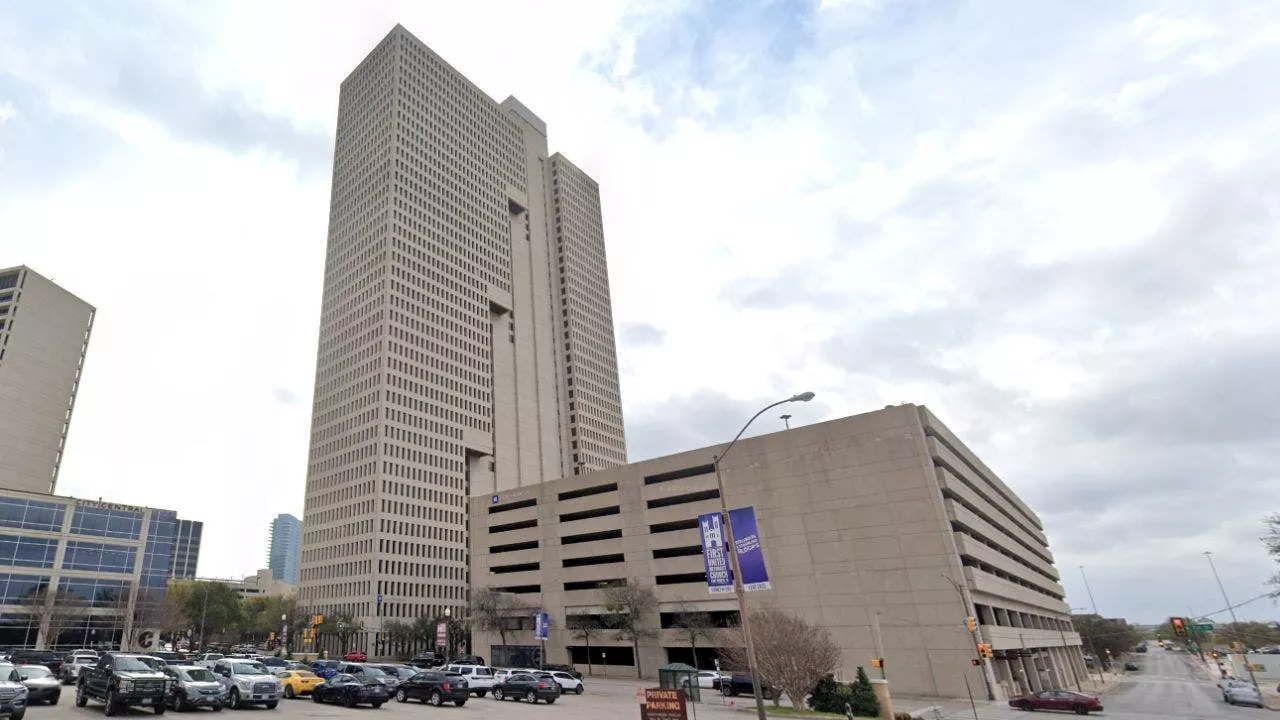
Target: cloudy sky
pixel 1055 223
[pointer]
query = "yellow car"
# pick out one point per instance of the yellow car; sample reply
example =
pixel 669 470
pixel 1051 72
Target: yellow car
pixel 298 682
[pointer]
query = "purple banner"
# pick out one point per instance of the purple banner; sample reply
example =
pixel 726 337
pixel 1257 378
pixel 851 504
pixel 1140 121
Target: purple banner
pixel 746 540
pixel 715 554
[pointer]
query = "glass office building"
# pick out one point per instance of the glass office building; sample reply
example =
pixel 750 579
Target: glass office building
pixel 81 573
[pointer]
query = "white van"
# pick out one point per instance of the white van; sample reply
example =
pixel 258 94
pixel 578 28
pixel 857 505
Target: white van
pixel 479 678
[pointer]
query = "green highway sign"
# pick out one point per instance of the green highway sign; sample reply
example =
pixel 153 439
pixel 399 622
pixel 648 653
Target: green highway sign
pixel 1205 627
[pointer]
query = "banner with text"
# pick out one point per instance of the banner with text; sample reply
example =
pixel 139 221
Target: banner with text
pixel 746 541
pixel 715 555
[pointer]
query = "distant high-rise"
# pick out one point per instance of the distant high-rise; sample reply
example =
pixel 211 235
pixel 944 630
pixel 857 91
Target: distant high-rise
pixel 466 335
pixel 285 548
pixel 44 333
pixel 186 550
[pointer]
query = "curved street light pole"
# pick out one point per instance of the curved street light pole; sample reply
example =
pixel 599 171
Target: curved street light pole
pixel 738 589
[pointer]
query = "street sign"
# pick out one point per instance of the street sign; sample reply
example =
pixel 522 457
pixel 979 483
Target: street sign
pixel 541 626
pixel 664 704
pixel 1203 627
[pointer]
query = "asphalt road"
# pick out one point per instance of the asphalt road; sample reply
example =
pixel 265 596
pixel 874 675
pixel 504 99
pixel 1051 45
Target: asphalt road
pixel 1171 685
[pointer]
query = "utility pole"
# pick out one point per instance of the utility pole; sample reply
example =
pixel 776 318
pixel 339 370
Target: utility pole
pixel 965 607
pixel 880 647
pixel 1234 621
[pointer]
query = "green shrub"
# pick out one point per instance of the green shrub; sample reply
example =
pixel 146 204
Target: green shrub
pixel 863 699
pixel 829 696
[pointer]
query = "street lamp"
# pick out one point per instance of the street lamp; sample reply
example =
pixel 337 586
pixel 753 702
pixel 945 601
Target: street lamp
pixel 1234 621
pixel 738 590
pixel 786 419
pixel 448 633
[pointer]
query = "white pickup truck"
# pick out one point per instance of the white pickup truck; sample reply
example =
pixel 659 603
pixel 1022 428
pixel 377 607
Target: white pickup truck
pixel 479 678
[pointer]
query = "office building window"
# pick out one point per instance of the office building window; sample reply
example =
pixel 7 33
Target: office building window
pixel 99 557
pixel 16 588
pixel 123 524
pixel 27 551
pixel 26 514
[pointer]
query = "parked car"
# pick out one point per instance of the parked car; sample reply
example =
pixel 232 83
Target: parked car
pixel 1131 667
pixel 350 690
pixel 425 660
pixel 567 682
pixel 42 685
pixel 1244 694
pixel 247 683
pixel 468 660
pixel 1078 703
pixel 274 664
pixel 435 688
pixel 563 668
pixel 479 677
pixel 399 673
pixel 298 682
pixel 524 686
pixel 47 658
pixel 192 686
pixel 121 680
pixel 731 685
pixel 372 672
pixel 355 656
pixel 707 680
pixel 13 694
pixel 72 665
pixel 207 660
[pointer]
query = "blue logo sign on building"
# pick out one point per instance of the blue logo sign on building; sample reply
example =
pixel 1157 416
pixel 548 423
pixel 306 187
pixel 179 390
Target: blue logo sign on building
pixel 541 626
pixel 746 541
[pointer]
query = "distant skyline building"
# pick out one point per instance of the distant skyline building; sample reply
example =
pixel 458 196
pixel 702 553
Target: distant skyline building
pixel 285 548
pixel 186 550
pixel 466 335
pixel 44 334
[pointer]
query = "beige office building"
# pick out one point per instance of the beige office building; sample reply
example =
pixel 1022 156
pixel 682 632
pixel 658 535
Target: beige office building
pixel 466 341
pixel 881 519
pixel 44 334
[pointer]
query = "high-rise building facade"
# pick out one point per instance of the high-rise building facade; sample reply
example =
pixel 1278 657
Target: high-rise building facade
pixel 186 550
pixel 466 342
pixel 285 548
pixel 44 333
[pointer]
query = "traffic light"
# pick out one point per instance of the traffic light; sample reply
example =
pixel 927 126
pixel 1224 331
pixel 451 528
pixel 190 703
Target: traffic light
pixel 984 649
pixel 1179 626
pixel 975 662
pixel 971 623
pixel 877 662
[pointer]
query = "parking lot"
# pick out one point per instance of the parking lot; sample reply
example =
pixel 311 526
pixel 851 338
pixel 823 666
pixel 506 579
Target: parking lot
pixel 603 700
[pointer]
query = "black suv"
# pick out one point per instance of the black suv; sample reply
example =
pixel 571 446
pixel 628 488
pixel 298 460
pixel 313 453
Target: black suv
pixel 47 658
pixel 434 688
pixel 741 685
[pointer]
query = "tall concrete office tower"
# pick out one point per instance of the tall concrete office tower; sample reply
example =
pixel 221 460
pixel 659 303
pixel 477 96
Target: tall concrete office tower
pixel 466 336
pixel 285 548
pixel 44 333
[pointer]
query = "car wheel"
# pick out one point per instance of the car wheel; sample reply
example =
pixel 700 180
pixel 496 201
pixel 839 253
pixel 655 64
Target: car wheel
pixel 531 697
pixel 216 707
pixel 1080 709
pixel 54 700
pixel 579 689
pixel 459 703
pixel 18 715
pixel 401 696
pixel 110 709
pixel 726 690
pixel 159 709
pixel 376 705
pixel 550 701
pixel 497 694
pixel 289 693
pixel 481 693
pixel 81 700
pixel 349 701
pixel 272 705
pixel 315 697
pixel 435 698
pixel 1026 706
pixel 233 700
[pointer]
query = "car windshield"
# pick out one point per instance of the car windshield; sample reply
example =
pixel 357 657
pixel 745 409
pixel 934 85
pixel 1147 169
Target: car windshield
pixel 198 675
pixel 29 672
pixel 305 674
pixel 154 663
pixel 249 668
pixel 213 656
pixel 131 664
pixel 374 672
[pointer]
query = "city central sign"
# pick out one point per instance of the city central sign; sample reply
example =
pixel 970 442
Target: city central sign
pixel 108 505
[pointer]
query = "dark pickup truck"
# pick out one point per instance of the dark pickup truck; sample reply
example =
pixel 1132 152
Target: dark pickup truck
pixel 119 681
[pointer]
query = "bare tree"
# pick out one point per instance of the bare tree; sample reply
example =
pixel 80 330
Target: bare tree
pixel 585 627
pixel 792 654
pixel 492 610
pixel 693 625
pixel 628 604
pixel 342 626
pixel 57 610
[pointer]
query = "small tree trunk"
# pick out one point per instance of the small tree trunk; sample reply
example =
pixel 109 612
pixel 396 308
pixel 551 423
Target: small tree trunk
pixel 587 637
pixel 693 643
pixel 635 647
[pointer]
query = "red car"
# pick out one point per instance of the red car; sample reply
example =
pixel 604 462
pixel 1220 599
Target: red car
pixel 355 656
pixel 1079 703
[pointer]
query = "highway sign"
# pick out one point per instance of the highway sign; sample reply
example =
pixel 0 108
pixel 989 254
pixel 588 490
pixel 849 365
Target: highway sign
pixel 1203 627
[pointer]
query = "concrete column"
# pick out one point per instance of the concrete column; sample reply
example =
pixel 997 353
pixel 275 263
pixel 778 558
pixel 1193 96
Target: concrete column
pixel 1033 677
pixel 881 690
